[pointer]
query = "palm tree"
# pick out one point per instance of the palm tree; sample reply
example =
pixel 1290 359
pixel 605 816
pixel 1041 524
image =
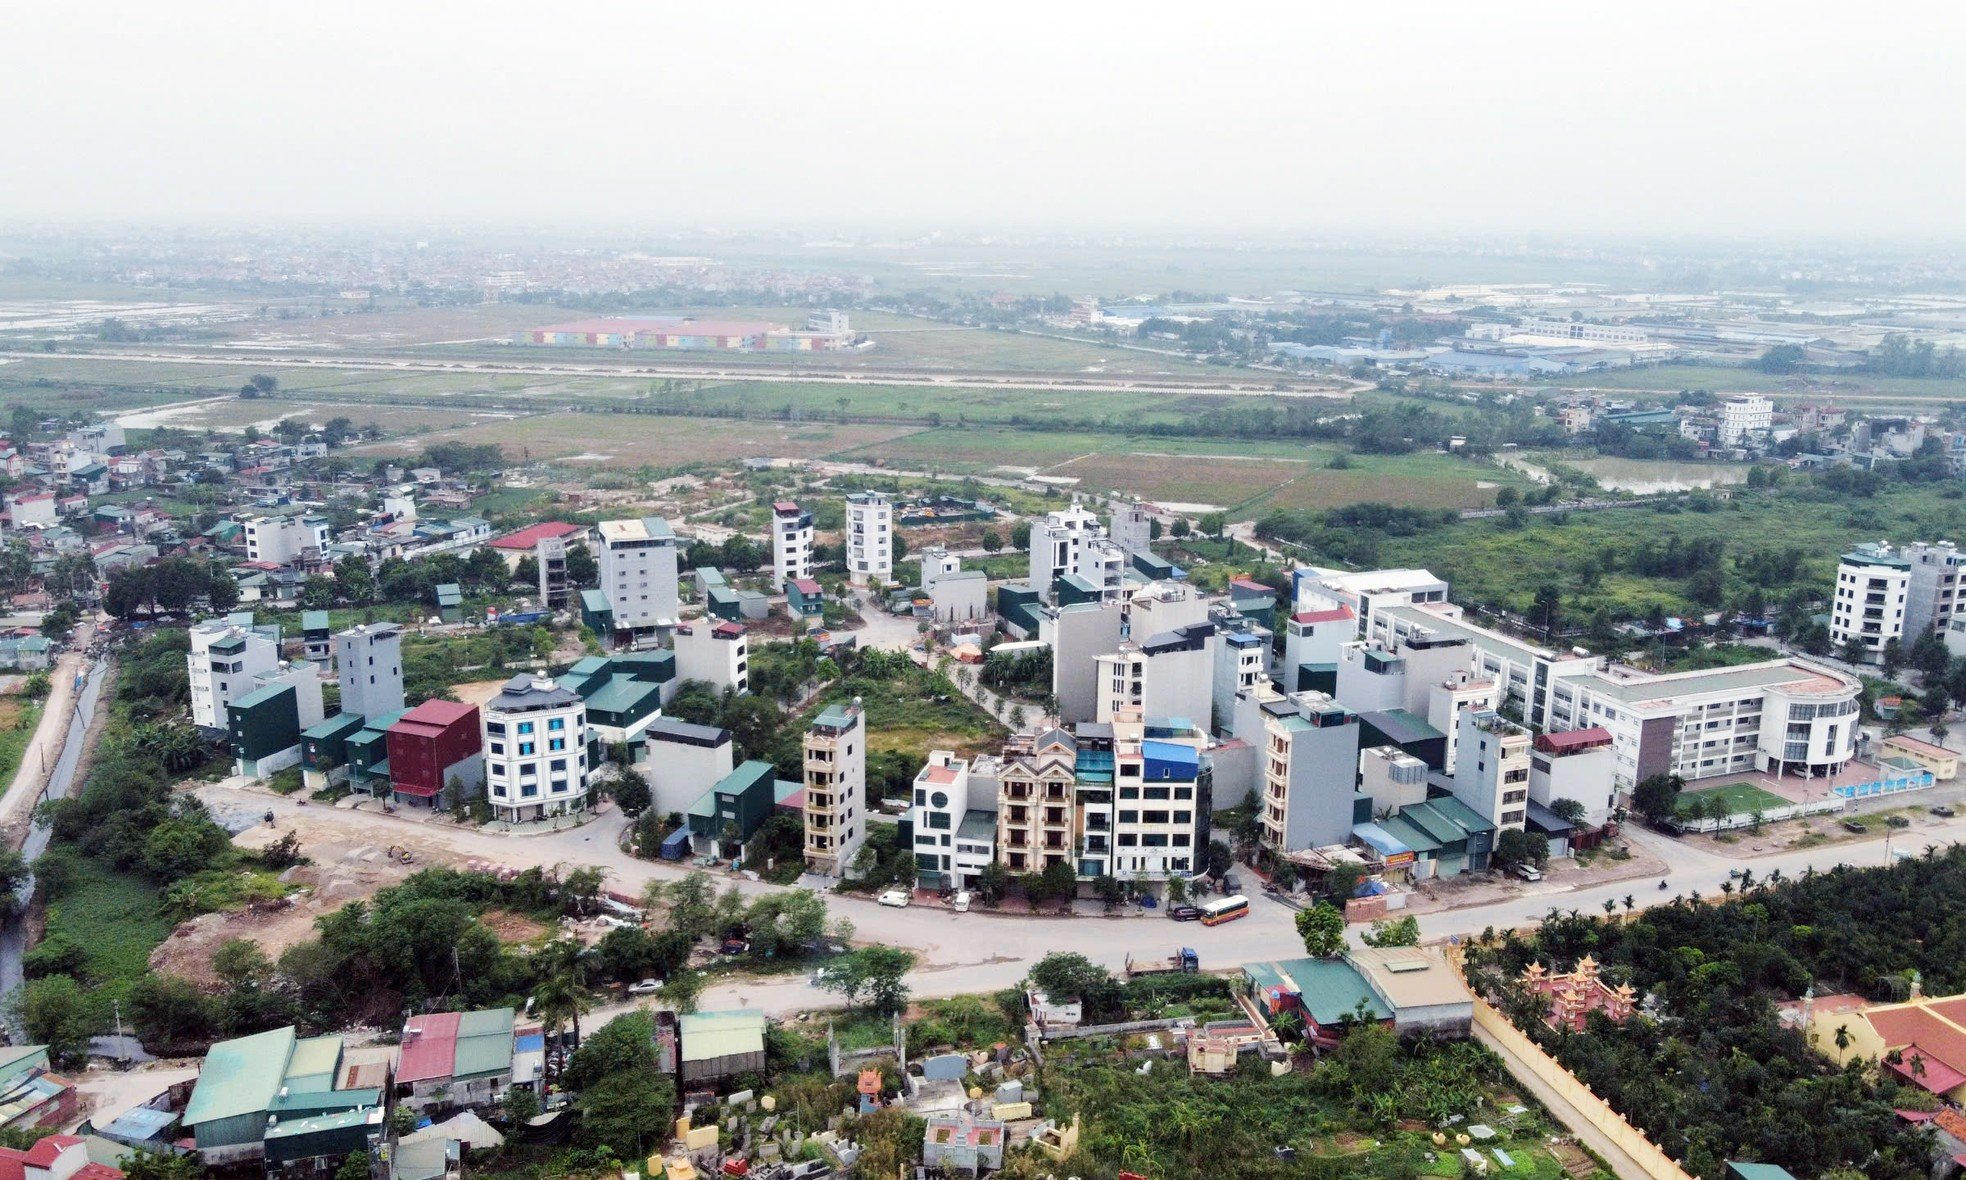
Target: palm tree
pixel 1631 903
pixel 1610 906
pixel 558 1001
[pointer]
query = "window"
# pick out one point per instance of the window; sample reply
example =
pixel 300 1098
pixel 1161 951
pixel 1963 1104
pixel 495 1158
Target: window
pixel 1129 817
pixel 498 747
pixel 526 749
pixel 558 765
pixel 557 723
pixel 497 727
pixel 525 727
pixel 556 743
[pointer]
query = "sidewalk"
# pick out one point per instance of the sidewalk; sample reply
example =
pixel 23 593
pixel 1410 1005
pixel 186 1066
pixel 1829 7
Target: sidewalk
pixel 1560 1109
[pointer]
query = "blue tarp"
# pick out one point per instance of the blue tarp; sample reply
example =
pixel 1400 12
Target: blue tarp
pixel 1378 839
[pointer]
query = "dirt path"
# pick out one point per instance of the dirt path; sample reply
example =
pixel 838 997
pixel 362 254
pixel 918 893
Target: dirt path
pixel 17 805
pixel 1624 1165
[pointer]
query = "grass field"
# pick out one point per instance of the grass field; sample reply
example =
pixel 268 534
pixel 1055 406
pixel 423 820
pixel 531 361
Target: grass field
pixel 1741 799
pixel 232 413
pixel 642 440
pixel 18 717
pixel 116 917
pixel 1489 562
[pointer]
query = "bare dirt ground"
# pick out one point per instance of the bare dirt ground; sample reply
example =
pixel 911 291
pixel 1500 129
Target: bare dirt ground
pixel 339 872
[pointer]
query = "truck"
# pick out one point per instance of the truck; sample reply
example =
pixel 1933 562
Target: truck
pixel 1182 962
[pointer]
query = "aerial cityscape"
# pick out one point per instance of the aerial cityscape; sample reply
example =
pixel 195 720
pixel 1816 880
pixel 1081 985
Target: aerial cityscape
pixel 619 599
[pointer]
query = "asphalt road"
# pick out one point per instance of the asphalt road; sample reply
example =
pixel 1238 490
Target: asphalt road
pixel 983 951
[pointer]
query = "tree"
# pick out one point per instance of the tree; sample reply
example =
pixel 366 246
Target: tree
pixel 1214 524
pixel 1322 927
pixel 559 999
pixel 690 904
pixel 992 882
pixel 1546 612
pixel 1517 847
pixel 157 1165
pixel 1781 359
pixel 682 990
pixel 1060 882
pixel 521 1106
pixel 14 872
pixel 624 1101
pixel 883 969
pixel 1657 798
pixel 56 1012
pixel 1181 527
pixel 582 569
pixel 357 1166
pixel 1569 810
pixel 1402 931
pixel 241 964
pixel 990 541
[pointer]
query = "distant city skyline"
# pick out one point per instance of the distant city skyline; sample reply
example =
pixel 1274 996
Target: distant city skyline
pixel 1750 119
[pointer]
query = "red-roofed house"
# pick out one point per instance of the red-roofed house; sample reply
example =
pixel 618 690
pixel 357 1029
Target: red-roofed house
pixel 431 746
pixel 546 543
pixel 1311 640
pixel 1922 1040
pixel 57 1157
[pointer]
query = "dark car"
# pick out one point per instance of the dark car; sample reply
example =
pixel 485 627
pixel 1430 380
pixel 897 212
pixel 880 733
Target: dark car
pixel 734 946
pixel 1943 810
pixel 1184 913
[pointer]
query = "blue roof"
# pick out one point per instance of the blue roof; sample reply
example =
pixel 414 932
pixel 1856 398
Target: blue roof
pixel 1378 839
pixel 1170 752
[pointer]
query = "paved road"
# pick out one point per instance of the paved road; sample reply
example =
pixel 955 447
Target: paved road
pixel 982 951
pixel 1254 386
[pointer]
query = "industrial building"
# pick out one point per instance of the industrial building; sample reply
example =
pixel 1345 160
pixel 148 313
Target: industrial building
pixel 687 333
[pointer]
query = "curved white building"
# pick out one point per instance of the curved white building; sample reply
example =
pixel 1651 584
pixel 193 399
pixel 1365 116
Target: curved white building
pixel 1808 726
pixel 535 737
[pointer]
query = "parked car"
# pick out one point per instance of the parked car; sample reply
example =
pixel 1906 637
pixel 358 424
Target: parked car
pixel 1528 872
pixel 1184 913
pixel 1943 810
pixel 1851 825
pixel 961 902
pixel 895 897
pixel 1231 884
pixel 734 946
pixel 1896 821
pixel 646 987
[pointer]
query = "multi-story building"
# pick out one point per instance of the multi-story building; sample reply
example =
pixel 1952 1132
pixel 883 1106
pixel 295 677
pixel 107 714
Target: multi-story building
pixel 1391 778
pixel 1161 803
pixel 1311 640
pixel 937 562
pixel 436 755
pixel 1780 717
pixel 869 538
pixel 369 664
pixel 1449 698
pixel 226 655
pixel 1070 541
pixel 1166 675
pixel 1132 527
pixel 1036 803
pixel 638 576
pixel 1744 418
pixel 715 652
pixel 1310 773
pixel 1242 659
pixel 1524 672
pixel 285 540
pixel 1933 594
pixel 1492 774
pixel 835 789
pixel 1576 765
pixel 1077 635
pixel 1314 589
pixel 791 542
pixel 535 742
pixel 546 543
pixel 955 822
pixel 1873 586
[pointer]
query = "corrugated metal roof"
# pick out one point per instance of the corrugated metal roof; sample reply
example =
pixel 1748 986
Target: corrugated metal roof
pixel 707 1036
pixel 313 1058
pixel 1331 989
pixel 484 1043
pixel 240 1076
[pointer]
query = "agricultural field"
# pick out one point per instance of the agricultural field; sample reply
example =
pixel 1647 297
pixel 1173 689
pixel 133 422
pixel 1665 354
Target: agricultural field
pixel 18 717
pixel 646 440
pixel 1857 386
pixel 233 414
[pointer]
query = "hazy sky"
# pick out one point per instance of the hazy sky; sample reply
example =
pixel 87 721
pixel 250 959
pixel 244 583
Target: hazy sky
pixel 1792 118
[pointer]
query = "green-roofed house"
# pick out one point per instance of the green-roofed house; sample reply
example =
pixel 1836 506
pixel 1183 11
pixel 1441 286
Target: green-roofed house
pixel 730 813
pixel 316 635
pixel 624 693
pixel 264 727
pixel 251 1088
pixel 368 753
pixel 456 1059
pixel 1329 993
pixel 324 750
pixel 1740 1171
pixel 597 614
pixel 450 602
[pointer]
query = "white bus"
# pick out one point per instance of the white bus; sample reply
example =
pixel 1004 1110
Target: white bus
pixel 1227 910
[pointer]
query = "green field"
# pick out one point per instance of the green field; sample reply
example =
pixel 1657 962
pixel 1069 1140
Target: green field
pixel 18 717
pixel 116 917
pixel 1741 799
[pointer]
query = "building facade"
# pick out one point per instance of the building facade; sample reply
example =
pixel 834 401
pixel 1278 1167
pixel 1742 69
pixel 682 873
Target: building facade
pixel 791 542
pixel 638 575
pixel 1932 595
pixel 535 744
pixel 835 789
pixel 1491 775
pixel 1873 589
pixel 1310 773
pixel 717 653
pixel 869 539
pixel 225 658
pixel 369 666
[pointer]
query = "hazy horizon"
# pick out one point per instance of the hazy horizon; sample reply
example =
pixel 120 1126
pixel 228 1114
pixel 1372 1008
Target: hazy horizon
pixel 1762 122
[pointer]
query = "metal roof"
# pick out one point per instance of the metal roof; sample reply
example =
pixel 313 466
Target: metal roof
pixel 707 1036
pixel 1331 989
pixel 313 1058
pixel 240 1076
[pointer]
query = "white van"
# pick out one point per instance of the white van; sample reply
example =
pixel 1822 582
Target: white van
pixel 961 904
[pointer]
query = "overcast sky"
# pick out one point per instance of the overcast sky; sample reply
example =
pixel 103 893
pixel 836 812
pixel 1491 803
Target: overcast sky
pixel 1798 118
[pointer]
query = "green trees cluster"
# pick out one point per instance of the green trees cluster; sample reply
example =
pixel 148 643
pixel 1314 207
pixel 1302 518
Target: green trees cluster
pixel 624 1101
pixel 1718 1075
pixel 170 586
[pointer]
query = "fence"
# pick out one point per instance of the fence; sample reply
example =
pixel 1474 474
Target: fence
pixel 1057 1033
pixel 1767 815
pixel 1917 781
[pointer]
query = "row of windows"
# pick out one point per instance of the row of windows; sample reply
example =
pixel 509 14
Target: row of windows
pixel 528 749
pixel 526 790
pixel 553 725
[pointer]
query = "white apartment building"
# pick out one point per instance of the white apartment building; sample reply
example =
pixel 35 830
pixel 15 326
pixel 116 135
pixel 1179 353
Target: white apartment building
pixel 284 540
pixel 1160 803
pixel 369 665
pixel 535 742
pixel 1077 635
pixel 1780 717
pixel 1933 595
pixel 1310 772
pixel 1449 698
pixel 716 652
pixel 791 542
pixel 1071 541
pixel 1524 672
pixel 226 655
pixel 1576 764
pixel 1170 675
pixel 1873 588
pixel 955 822
pixel 1744 418
pixel 1132 527
pixel 637 561
pixel 1314 589
pixel 869 539
pixel 1242 660
pixel 681 761
pixel 1311 641
pixel 1492 775
pixel 836 789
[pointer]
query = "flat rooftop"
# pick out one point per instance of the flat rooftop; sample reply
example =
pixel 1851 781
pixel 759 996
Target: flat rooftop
pixel 1636 688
